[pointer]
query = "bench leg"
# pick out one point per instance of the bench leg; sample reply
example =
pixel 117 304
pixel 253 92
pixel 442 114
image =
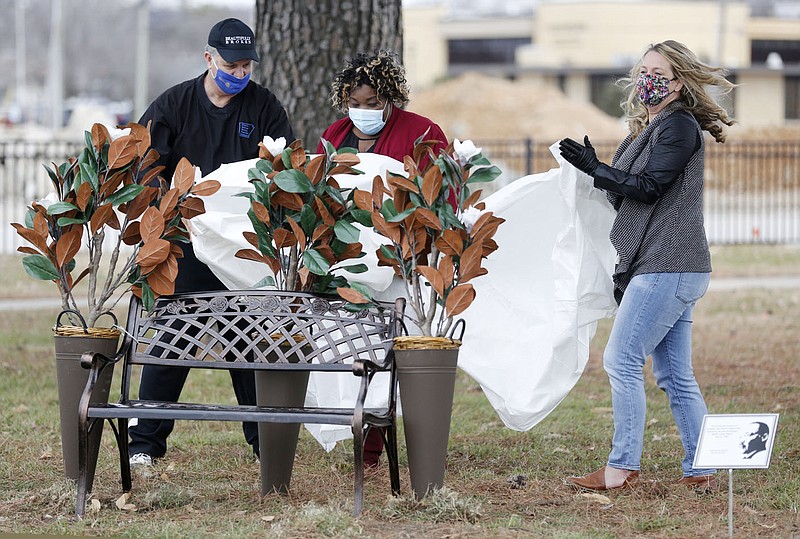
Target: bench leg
pixel 391 455
pixel 84 425
pixel 124 456
pixel 358 463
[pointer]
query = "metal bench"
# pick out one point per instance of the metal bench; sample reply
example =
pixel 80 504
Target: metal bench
pixel 263 331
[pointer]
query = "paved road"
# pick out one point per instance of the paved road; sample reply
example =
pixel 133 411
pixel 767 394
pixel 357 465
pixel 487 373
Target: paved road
pixel 720 284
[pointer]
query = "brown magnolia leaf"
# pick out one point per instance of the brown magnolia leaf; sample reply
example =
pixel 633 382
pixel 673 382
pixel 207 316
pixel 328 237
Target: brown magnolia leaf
pixel 153 252
pixel 480 222
pixel 261 211
pixel 473 199
pixel 68 246
pixel 206 188
pixel 27 250
pixel 170 267
pixel 352 250
pixel 459 299
pixel 99 136
pixel 142 136
pixel 283 238
pixel 410 166
pixel 31 236
pixel 100 217
pixel 398 182
pixel 175 248
pixel 421 239
pixel 84 196
pixel 489 246
pixel 488 229
pixel 152 224
pixel 428 218
pixel 121 152
pixel 401 199
pixel 40 224
pixel 264 153
pixel 327 252
pixel 378 190
pixel 149 160
pixel 480 206
pixel 383 260
pixel 131 234
pixel 292 201
pixel 384 229
pixel 304 275
pixel 136 207
pixel 137 291
pixel 169 201
pixel 362 200
pixel 351 295
pixel 160 282
pixel 250 254
pixel 450 243
pixel 109 184
pixel 433 277
pixel 192 207
pixel 470 262
pixel 183 179
pixel 298 157
pixel 298 233
pixel 327 218
pixel 251 237
pixel 447 270
pixel 315 170
pixel 347 159
pixel 432 184
pixel 322 233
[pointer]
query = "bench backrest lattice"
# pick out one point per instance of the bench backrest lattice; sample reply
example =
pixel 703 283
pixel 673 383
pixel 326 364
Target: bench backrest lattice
pixel 250 327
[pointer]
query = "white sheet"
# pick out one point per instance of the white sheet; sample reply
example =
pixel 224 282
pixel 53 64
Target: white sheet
pixel 528 331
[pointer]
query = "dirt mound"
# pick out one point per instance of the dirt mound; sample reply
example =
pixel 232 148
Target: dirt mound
pixel 480 107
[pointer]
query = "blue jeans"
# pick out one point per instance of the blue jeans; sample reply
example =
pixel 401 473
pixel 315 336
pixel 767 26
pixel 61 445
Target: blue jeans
pixel 655 319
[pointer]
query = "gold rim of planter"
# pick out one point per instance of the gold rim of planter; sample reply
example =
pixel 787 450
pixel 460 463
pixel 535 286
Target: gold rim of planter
pixel 78 331
pixel 425 343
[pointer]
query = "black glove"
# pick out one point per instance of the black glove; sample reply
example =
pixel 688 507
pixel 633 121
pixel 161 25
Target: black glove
pixel 581 157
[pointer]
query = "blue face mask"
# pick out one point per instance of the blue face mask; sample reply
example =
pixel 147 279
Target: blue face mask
pixel 368 121
pixel 228 83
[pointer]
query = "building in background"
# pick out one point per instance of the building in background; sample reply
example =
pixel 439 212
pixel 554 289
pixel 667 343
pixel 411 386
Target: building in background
pixel 583 47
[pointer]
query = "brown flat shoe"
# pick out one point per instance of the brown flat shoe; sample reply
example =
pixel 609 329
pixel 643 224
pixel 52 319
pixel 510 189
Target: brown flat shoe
pixel 597 480
pixel 706 483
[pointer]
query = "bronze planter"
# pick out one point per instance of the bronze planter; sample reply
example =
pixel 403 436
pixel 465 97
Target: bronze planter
pixel 72 380
pixel 427 382
pixel 277 442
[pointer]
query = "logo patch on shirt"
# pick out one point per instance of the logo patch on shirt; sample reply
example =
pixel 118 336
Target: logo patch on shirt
pixel 245 129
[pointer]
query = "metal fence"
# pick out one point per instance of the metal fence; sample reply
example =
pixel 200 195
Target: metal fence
pixel 752 190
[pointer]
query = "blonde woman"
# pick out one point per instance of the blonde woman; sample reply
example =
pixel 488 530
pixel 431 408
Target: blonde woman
pixel 655 182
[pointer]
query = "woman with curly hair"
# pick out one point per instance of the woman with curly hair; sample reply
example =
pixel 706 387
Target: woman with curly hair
pixel 372 91
pixel 655 182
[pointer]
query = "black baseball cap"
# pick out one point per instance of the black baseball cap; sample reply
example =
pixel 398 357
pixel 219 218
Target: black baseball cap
pixel 234 40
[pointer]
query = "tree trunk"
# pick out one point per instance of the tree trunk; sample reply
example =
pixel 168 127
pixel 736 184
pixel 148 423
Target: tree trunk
pixel 304 44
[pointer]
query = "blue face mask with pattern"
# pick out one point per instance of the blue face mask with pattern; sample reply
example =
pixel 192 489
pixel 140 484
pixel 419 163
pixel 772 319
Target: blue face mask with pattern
pixel 228 83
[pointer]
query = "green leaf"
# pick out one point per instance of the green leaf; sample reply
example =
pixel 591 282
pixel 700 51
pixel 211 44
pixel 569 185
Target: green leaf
pixel 478 160
pixel 57 208
pixel 364 289
pixel 315 262
pixel 263 234
pixel 88 173
pixel 293 181
pixel 29 218
pixel 388 252
pixel 364 217
pixel 335 194
pixel 346 232
pixel 286 157
pixel 264 165
pixel 255 174
pixel 40 267
pixel 485 174
pixel 148 297
pixel 329 148
pixel 355 268
pixel 388 210
pixel 402 215
pixel 269 280
pixel 64 221
pixel 346 149
pixel 126 194
pixel 308 219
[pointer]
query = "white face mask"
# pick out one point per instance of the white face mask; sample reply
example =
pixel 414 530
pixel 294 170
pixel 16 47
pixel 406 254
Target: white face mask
pixel 368 121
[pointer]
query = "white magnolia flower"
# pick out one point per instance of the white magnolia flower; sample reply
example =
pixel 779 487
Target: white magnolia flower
pixel 465 150
pixel 115 133
pixel 276 146
pixel 49 199
pixel 469 217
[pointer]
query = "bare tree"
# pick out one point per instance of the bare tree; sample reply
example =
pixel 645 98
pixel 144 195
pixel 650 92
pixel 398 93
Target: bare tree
pixel 303 44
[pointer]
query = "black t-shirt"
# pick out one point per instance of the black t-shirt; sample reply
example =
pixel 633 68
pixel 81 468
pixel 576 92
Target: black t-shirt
pixel 185 123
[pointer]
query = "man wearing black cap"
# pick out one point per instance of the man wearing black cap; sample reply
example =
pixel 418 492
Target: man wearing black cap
pixel 218 117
